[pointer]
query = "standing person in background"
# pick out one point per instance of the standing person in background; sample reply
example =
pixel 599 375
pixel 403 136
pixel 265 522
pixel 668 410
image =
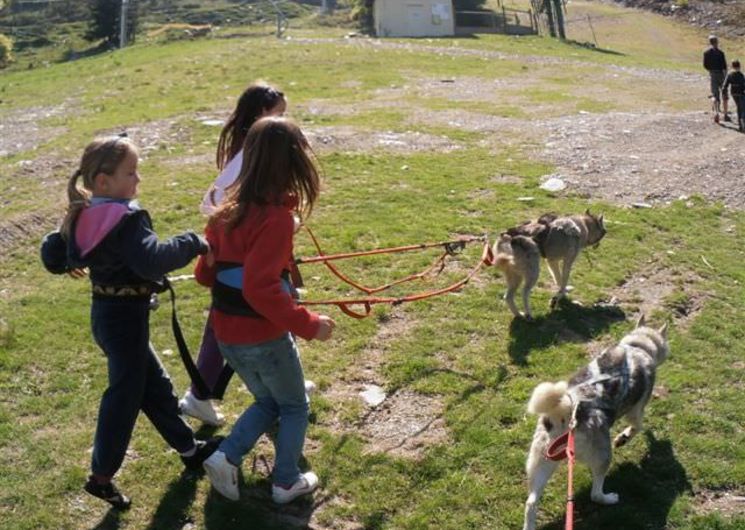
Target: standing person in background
pixel 736 83
pixel 254 315
pixel 257 101
pixel 716 64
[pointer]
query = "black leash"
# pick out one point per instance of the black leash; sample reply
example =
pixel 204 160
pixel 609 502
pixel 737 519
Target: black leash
pixel 183 349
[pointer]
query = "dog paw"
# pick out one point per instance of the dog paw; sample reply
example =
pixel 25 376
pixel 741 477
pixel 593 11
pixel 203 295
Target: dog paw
pixel 621 440
pixel 607 499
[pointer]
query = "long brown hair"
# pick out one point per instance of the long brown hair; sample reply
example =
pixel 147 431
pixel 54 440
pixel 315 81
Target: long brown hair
pixel 277 161
pixel 102 155
pixel 254 101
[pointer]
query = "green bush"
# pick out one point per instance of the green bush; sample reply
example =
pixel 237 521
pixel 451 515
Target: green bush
pixel 6 50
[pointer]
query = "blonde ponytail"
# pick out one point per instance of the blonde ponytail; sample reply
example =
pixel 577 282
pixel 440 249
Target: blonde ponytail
pixel 78 198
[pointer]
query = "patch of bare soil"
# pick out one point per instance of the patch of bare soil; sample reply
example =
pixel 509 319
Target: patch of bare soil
pixel 349 139
pixel 21 130
pixel 405 424
pixel 165 135
pixel 652 289
pixel 722 502
pixel 19 229
pixel 625 157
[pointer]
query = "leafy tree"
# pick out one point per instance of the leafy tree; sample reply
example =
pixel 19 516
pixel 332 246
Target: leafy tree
pixel 6 50
pixel 106 19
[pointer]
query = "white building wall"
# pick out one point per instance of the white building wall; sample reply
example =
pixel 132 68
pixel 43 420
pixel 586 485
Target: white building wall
pixel 414 18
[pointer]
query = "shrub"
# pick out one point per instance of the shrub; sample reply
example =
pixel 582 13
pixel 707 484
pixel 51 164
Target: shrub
pixel 6 50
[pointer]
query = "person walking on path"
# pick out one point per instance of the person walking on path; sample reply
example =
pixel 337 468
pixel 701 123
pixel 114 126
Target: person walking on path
pixel 716 64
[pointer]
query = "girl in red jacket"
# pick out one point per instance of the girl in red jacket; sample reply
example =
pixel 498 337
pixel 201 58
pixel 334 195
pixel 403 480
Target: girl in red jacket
pixel 254 316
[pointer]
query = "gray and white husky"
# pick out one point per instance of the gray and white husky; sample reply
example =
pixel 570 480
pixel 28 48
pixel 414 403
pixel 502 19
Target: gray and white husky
pixel 518 252
pixel 618 382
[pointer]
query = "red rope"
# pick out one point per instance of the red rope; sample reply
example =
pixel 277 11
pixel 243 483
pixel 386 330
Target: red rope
pixel 450 248
pixel 487 258
pixel 569 525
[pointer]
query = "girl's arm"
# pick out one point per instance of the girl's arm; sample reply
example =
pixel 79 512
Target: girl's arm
pixel 262 266
pixel 150 258
pixel 205 272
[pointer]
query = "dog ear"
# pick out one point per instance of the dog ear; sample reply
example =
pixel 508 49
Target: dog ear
pixel 663 330
pixel 641 321
pixel 600 221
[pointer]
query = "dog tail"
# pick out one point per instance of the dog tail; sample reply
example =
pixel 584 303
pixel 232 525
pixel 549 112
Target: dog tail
pixel 551 399
pixel 504 257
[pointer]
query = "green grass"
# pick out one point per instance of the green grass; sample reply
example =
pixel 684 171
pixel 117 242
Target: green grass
pixel 463 349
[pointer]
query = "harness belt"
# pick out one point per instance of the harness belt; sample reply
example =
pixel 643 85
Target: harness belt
pixel 139 290
pixel 227 291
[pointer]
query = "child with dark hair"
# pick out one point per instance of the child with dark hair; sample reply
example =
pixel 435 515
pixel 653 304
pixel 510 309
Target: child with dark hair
pixel 736 83
pixel 257 101
pixel 255 317
pixel 106 231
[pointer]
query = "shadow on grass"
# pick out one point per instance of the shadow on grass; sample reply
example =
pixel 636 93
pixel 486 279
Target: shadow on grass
pixel 569 322
pixel 110 521
pixel 172 512
pixel 96 49
pixel 255 509
pixel 647 492
pixel 592 47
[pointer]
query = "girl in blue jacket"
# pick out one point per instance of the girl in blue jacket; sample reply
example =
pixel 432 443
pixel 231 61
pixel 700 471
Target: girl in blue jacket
pixel 106 231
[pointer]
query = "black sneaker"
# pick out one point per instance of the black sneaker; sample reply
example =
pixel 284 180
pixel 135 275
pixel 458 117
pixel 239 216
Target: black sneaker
pixel 727 117
pixel 108 492
pixel 205 448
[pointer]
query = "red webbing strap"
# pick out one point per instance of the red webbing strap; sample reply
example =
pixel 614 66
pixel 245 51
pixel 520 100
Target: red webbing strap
pixel 569 525
pixel 345 309
pixel 487 258
pixel 438 264
pixel 421 246
pixel 557 451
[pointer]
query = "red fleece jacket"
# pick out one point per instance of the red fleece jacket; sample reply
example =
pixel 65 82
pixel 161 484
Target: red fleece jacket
pixel 263 243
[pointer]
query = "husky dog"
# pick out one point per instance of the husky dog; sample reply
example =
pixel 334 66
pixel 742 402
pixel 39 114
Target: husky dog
pixel 618 382
pixel 558 239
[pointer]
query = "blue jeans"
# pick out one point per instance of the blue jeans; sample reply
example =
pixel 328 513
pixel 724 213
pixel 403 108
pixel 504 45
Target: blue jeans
pixel 273 374
pixel 137 382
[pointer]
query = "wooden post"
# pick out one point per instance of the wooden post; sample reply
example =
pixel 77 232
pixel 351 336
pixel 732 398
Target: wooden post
pixel 589 21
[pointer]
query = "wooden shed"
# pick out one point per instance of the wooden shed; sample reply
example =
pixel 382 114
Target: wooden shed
pixel 414 18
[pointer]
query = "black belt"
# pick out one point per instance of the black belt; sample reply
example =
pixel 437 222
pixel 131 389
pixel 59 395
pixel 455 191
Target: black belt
pixel 230 300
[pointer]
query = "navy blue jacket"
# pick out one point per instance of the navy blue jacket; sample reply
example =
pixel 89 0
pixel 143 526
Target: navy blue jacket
pixel 116 241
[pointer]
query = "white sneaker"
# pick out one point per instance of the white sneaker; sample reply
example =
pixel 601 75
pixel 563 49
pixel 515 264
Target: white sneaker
pixel 310 387
pixel 223 475
pixel 305 484
pixel 201 409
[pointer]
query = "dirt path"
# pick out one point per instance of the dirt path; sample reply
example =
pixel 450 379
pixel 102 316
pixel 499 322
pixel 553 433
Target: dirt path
pixel 624 157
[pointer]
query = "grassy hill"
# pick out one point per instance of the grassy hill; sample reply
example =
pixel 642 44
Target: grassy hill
pixel 420 140
pixel 54 31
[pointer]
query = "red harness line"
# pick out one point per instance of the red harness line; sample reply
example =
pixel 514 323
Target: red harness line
pixel 563 447
pixel 569 524
pixel 367 302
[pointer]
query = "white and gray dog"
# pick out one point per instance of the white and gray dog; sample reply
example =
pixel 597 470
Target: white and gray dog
pixel 618 382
